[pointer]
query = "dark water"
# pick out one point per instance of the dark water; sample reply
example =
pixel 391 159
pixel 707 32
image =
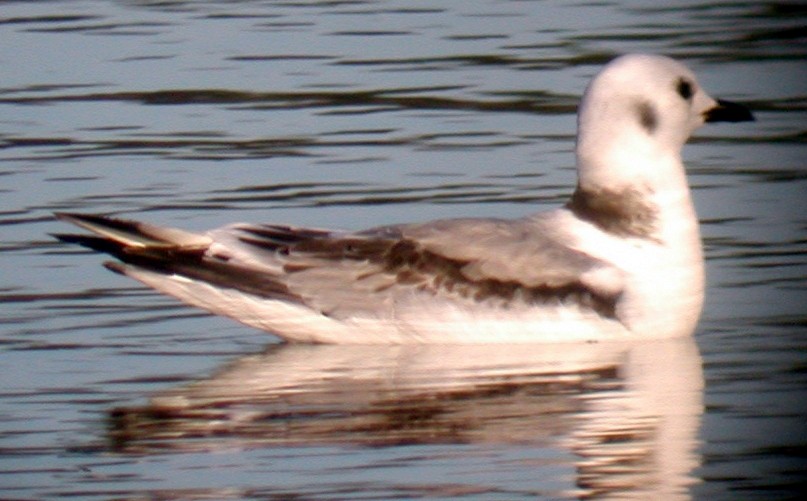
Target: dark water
pixel 360 113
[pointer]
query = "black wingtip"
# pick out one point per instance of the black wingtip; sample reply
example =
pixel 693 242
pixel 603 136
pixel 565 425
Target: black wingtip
pixel 67 238
pixel 70 217
pixel 115 267
pixel 92 242
pixel 95 219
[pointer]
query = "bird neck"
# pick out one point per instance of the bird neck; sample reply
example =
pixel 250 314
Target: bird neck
pixel 629 189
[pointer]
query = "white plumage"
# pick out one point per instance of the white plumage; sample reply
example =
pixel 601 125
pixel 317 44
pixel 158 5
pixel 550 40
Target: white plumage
pixel 622 259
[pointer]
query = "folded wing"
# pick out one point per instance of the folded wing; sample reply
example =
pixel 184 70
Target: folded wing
pixel 370 274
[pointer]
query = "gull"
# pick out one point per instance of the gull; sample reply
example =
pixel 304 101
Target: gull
pixel 621 260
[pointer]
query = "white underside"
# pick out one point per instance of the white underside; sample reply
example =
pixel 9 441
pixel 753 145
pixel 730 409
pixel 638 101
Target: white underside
pixel 661 284
pixel 424 320
pixel 657 284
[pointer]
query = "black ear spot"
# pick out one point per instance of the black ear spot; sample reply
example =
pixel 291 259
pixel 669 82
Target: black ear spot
pixel 684 88
pixel 647 116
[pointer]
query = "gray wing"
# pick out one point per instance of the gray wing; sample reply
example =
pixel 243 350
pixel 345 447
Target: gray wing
pixel 505 262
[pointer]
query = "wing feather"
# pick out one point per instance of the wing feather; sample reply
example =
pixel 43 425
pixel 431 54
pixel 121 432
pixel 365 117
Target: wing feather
pixel 505 263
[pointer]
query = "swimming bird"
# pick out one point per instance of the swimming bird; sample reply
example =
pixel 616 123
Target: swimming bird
pixel 622 259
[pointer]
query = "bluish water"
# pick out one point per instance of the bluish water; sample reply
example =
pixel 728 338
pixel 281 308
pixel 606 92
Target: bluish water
pixel 356 114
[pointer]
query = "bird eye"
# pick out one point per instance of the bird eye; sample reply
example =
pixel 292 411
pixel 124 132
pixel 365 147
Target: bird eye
pixel 684 88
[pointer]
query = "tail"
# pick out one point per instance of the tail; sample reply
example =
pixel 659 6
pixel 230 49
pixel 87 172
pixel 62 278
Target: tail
pixel 167 251
pixel 133 242
pixel 178 263
pixel 131 234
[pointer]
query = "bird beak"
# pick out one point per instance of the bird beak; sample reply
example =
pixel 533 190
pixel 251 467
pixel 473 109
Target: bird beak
pixel 726 111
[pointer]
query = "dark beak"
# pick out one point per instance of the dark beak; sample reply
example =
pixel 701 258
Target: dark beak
pixel 726 111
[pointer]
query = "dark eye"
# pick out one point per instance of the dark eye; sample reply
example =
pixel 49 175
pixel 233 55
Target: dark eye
pixel 684 88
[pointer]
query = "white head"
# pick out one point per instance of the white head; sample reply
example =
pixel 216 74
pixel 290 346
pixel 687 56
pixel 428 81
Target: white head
pixel 634 119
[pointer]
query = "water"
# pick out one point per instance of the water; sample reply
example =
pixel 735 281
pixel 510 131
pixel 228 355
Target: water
pixel 361 113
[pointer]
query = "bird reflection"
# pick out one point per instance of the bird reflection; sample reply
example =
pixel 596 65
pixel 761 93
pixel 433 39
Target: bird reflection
pixel 629 413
